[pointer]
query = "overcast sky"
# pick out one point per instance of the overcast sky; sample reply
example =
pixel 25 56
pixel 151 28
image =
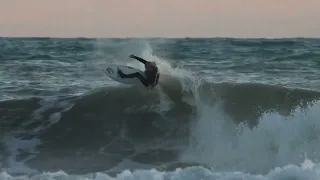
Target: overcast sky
pixel 160 18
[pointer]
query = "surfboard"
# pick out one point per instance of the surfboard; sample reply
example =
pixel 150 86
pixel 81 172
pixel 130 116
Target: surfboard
pixel 112 72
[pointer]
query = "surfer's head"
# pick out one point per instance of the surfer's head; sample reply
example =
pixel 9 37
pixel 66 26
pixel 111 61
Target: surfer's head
pixel 151 66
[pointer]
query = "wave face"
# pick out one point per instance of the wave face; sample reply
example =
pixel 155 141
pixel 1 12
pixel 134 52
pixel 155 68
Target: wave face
pixel 212 113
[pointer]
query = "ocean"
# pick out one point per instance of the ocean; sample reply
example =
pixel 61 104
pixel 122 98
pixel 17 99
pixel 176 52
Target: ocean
pixel 224 109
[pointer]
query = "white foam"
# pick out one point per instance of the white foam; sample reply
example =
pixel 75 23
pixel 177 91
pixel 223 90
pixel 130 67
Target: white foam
pixel 129 165
pixel 46 104
pixel 190 173
pixel 13 147
pixel 275 142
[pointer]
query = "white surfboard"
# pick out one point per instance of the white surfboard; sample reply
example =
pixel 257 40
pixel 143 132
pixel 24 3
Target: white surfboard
pixel 112 72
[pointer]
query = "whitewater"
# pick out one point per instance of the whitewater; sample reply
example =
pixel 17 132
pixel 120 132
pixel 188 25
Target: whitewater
pixel 224 109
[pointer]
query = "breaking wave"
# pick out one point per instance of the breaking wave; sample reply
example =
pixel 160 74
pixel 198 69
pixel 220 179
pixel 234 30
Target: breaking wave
pixel 185 126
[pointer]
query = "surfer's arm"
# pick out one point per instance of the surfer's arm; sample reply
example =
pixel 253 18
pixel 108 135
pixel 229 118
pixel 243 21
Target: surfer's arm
pixel 139 59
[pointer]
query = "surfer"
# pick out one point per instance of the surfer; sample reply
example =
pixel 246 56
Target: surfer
pixel 151 72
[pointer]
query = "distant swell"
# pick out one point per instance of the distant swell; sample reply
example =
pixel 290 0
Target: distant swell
pixel 264 42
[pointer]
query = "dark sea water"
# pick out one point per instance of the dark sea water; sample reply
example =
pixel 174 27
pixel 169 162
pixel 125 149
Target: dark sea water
pixel 223 109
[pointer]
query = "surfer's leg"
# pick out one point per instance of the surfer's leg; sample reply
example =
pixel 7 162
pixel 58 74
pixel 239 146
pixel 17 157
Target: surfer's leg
pixel 142 79
pixel 133 75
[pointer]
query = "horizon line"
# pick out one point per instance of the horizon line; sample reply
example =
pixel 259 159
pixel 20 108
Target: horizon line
pixel 162 37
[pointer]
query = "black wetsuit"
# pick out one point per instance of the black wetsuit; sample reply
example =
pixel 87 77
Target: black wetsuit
pixel 152 76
